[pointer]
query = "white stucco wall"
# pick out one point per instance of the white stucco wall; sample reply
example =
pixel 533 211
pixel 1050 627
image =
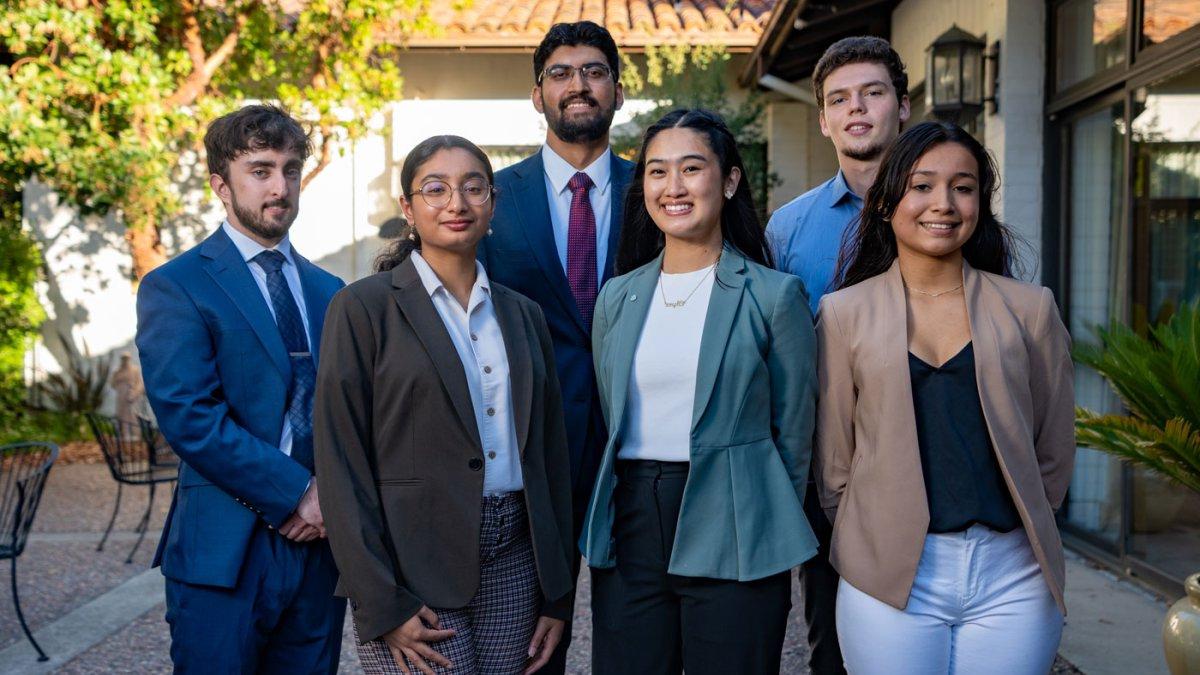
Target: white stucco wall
pixel 797 151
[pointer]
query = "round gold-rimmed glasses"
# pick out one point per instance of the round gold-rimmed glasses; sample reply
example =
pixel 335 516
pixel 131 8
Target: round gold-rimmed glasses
pixel 438 193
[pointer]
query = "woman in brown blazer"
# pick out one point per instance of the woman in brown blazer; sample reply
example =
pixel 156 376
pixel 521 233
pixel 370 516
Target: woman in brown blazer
pixel 441 455
pixel 942 480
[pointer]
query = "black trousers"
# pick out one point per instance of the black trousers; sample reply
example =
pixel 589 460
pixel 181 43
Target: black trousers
pixel 820 582
pixel 648 622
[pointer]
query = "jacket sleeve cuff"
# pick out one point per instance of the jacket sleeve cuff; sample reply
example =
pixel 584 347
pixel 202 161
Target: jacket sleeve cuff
pixel 377 618
pixel 561 608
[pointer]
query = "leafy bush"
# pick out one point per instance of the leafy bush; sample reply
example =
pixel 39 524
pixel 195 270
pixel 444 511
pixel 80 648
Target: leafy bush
pixel 20 313
pixel 1158 378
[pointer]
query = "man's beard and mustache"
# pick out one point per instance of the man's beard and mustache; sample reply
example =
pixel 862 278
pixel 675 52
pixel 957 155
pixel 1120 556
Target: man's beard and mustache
pixel 259 224
pixel 867 154
pixel 587 129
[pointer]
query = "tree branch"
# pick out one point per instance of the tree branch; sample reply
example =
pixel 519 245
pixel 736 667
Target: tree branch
pixel 324 158
pixel 192 40
pixel 198 79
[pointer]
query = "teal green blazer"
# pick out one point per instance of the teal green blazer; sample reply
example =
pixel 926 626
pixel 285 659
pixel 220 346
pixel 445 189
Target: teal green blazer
pixel 752 421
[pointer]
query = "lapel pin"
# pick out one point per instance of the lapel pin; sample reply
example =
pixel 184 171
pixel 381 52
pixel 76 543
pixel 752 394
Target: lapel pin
pixel 633 297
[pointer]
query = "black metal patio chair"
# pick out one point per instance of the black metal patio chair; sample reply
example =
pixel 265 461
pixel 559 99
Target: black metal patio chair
pixel 135 456
pixel 23 471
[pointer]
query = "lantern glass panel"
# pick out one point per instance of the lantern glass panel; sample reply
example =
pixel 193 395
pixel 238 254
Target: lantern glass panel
pixel 946 76
pixel 972 75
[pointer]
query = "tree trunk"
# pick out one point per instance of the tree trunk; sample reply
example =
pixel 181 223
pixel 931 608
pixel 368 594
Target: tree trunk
pixel 144 245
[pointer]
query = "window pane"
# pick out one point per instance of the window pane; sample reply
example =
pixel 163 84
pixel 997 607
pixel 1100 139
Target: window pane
pixel 1166 147
pixel 1090 35
pixel 1163 19
pixel 1099 284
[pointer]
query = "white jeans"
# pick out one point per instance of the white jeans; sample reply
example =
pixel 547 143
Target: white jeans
pixel 979 605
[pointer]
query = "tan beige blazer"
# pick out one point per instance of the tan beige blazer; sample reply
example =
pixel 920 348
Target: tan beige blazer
pixel 867 462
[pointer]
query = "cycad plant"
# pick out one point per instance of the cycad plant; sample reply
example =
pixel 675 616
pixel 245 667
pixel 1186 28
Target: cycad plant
pixel 1158 378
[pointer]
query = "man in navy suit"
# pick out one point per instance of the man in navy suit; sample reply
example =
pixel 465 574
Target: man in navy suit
pixel 228 333
pixel 554 233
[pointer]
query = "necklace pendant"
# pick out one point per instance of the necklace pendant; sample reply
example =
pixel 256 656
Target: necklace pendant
pixel 673 305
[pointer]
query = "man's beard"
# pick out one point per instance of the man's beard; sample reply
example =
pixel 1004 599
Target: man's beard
pixel 584 130
pixel 257 223
pixel 867 154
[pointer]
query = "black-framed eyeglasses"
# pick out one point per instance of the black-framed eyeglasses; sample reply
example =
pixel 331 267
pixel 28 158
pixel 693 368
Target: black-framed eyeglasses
pixel 437 193
pixel 593 73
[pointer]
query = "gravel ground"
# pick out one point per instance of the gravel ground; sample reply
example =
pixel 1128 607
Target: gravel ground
pixel 60 570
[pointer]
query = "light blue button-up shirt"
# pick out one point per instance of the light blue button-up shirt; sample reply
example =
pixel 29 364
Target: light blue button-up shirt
pixel 558 173
pixel 248 248
pixel 475 332
pixel 806 234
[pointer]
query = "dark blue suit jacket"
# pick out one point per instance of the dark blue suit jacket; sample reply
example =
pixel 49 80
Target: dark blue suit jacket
pixel 217 376
pixel 521 254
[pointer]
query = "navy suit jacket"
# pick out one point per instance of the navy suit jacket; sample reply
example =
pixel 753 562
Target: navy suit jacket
pixel 521 254
pixel 217 376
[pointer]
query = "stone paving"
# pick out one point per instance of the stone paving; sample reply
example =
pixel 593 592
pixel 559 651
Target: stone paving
pixel 61 571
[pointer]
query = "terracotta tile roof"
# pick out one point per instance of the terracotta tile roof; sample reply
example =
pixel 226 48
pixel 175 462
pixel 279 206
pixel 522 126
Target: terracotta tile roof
pixel 483 24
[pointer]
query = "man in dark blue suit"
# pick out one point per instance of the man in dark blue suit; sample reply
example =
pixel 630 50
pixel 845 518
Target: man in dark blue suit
pixel 227 334
pixel 554 233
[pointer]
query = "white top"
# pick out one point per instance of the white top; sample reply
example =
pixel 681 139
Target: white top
pixel 476 335
pixel 662 388
pixel 558 172
pixel 250 248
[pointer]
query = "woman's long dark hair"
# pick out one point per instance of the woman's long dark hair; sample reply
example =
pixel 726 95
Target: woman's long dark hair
pixel 870 248
pixel 409 241
pixel 641 240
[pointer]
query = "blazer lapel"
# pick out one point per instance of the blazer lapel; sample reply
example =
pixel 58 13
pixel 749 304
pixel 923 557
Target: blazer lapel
pixel 622 174
pixel 532 208
pixel 628 322
pixel 985 338
pixel 517 343
pixel 727 290
pixel 893 322
pixel 314 302
pixel 418 309
pixel 230 272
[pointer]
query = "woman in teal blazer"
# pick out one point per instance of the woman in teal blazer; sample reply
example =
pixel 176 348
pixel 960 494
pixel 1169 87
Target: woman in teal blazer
pixel 705 361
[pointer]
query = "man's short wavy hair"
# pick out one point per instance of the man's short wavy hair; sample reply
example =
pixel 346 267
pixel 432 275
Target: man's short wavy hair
pixel 860 49
pixel 255 127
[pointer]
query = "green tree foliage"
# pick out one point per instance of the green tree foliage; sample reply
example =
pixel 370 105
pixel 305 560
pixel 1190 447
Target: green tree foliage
pixel 1158 378
pixel 103 100
pixel 20 313
pixel 682 76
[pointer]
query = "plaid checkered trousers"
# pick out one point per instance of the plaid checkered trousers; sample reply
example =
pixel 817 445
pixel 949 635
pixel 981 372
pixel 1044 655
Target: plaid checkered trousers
pixel 493 631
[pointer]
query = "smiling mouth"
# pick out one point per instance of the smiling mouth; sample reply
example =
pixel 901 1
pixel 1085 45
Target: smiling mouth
pixel 677 209
pixel 939 227
pixel 858 127
pixel 578 104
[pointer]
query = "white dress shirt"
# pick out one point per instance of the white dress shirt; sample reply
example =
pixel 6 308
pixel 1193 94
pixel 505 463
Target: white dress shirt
pixel 250 248
pixel 558 173
pixel 662 385
pixel 475 332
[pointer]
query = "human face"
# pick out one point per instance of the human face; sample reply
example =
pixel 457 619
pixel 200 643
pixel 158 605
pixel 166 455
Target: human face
pixel 940 209
pixel 262 195
pixel 861 114
pixel 579 110
pixel 458 226
pixel 684 188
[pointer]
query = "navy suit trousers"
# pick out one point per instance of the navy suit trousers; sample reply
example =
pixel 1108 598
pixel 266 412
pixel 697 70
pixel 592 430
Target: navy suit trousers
pixel 282 616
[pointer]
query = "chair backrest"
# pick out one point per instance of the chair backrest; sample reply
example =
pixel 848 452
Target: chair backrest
pixel 23 471
pixel 159 450
pixel 125 451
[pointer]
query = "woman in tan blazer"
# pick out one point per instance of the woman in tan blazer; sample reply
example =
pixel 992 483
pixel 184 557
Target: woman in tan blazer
pixel 942 480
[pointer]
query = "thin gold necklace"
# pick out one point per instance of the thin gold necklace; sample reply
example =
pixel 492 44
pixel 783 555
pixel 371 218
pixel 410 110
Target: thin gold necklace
pixel 681 303
pixel 932 295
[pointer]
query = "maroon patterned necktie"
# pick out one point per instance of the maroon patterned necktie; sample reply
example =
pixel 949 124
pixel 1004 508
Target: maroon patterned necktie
pixel 581 247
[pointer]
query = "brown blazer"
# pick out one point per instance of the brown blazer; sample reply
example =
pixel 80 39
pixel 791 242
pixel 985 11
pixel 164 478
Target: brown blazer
pixel 867 462
pixel 398 457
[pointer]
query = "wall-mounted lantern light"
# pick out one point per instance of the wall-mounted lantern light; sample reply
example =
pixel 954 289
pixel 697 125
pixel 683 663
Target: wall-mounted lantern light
pixel 955 71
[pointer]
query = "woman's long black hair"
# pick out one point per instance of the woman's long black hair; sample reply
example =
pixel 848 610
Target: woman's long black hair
pixel 870 248
pixel 641 240
pixel 409 241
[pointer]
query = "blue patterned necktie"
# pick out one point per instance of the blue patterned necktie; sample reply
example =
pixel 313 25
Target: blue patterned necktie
pixel 304 375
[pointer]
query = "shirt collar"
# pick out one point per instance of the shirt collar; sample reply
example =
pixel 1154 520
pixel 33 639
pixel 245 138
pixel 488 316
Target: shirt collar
pixel 560 171
pixel 838 190
pixel 429 279
pixel 250 248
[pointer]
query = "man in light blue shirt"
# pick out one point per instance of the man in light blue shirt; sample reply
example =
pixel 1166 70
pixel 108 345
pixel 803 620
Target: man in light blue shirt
pixel 862 99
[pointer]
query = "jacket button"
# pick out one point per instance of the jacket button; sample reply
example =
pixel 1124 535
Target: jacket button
pixel 475 464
